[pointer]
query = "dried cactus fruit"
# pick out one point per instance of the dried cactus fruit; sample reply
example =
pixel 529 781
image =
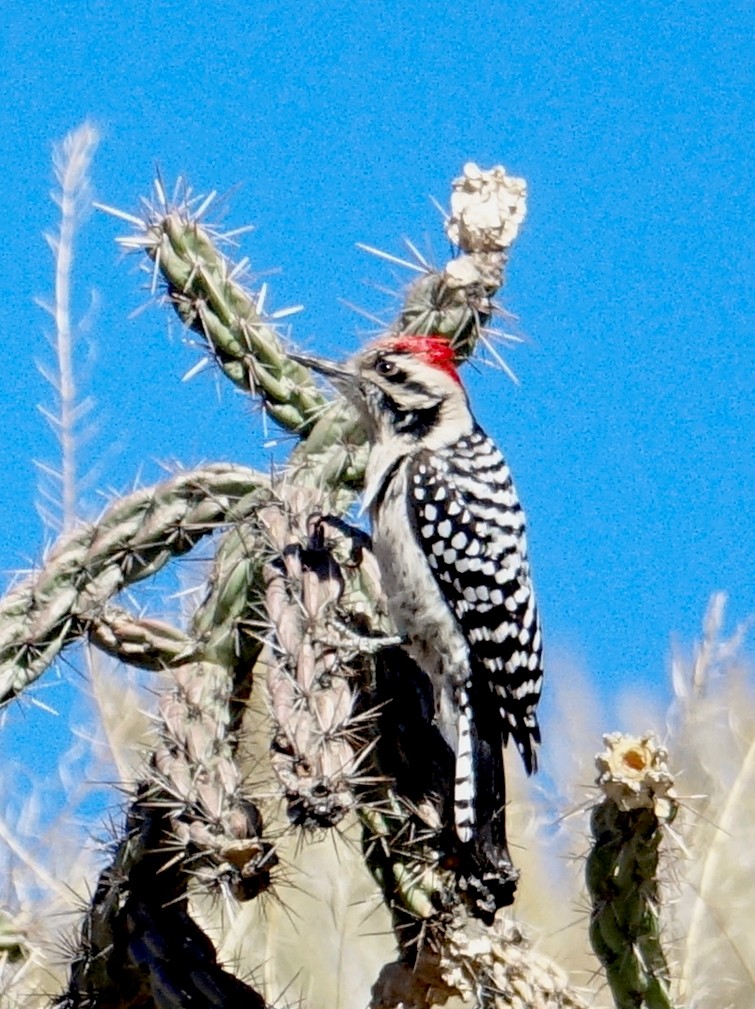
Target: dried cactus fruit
pixel 477 966
pixel 487 209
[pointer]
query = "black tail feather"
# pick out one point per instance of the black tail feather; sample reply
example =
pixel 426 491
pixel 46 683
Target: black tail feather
pixel 412 751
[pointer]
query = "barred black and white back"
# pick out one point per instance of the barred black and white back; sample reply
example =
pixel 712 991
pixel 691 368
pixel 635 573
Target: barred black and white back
pixel 472 526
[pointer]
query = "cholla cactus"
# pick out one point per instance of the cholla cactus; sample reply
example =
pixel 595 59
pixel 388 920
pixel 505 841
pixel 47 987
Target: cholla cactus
pixel 293 606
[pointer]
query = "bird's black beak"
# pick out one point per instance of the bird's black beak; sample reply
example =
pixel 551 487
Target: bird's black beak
pixel 339 375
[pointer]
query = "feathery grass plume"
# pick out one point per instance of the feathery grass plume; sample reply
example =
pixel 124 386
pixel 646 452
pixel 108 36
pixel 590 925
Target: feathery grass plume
pixel 59 487
pixel 622 869
pixel 38 858
pixel 712 728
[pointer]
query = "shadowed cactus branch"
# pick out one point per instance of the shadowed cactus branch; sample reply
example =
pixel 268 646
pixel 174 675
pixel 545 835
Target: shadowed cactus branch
pixel 139 947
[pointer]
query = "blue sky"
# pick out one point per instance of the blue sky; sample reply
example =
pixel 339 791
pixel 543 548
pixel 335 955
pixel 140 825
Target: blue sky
pixel 631 436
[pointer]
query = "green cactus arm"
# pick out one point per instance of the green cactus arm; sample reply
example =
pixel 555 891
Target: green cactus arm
pixel 214 820
pixel 409 884
pixel 202 288
pixel 622 870
pixel 135 537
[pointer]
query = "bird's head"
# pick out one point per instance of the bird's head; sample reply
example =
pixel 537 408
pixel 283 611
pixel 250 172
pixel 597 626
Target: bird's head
pixel 402 384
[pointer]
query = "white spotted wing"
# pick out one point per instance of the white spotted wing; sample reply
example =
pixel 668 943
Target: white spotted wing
pixel 471 525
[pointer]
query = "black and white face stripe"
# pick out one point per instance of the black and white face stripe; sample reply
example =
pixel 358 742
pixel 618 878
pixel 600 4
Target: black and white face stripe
pixel 403 383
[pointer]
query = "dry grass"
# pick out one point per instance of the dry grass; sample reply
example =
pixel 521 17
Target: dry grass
pixel 49 867
pixel 323 936
pixel 712 734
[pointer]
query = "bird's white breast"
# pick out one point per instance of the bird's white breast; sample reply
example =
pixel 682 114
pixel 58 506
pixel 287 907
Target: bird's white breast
pixel 416 604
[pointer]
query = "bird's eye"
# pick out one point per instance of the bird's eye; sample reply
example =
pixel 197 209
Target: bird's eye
pixel 385 367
